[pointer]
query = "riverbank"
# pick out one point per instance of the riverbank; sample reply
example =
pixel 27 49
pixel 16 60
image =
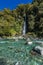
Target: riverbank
pixel 21 37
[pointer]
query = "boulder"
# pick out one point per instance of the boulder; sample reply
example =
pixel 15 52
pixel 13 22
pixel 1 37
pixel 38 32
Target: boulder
pixel 38 50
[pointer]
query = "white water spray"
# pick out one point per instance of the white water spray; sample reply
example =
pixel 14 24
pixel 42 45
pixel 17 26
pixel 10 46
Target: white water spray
pixel 24 28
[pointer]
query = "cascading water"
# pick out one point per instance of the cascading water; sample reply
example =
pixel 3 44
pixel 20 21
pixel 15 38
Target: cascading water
pixel 24 25
pixel 24 28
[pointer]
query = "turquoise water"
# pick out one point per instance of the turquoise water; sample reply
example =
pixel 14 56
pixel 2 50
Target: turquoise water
pixel 14 51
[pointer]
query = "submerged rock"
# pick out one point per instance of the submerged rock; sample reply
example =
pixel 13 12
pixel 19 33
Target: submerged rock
pixel 18 63
pixel 3 61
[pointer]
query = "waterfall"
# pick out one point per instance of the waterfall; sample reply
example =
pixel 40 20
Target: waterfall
pixel 24 28
pixel 24 25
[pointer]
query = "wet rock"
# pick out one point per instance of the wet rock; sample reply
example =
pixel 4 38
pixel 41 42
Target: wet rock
pixel 29 41
pixel 37 50
pixel 40 48
pixel 33 53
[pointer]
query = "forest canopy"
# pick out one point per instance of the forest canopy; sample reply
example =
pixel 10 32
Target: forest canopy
pixel 11 21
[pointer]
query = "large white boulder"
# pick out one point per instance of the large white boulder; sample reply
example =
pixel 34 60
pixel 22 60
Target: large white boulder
pixel 40 48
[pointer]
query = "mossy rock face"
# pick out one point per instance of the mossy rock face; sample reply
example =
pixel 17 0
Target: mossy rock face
pixel 3 61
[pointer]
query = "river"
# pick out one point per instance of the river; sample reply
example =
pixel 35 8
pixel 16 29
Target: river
pixel 17 51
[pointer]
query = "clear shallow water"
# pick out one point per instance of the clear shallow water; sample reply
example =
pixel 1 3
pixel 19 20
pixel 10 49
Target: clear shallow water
pixel 17 51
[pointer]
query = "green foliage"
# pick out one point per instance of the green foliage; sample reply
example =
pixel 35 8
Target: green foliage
pixel 11 22
pixel 39 1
